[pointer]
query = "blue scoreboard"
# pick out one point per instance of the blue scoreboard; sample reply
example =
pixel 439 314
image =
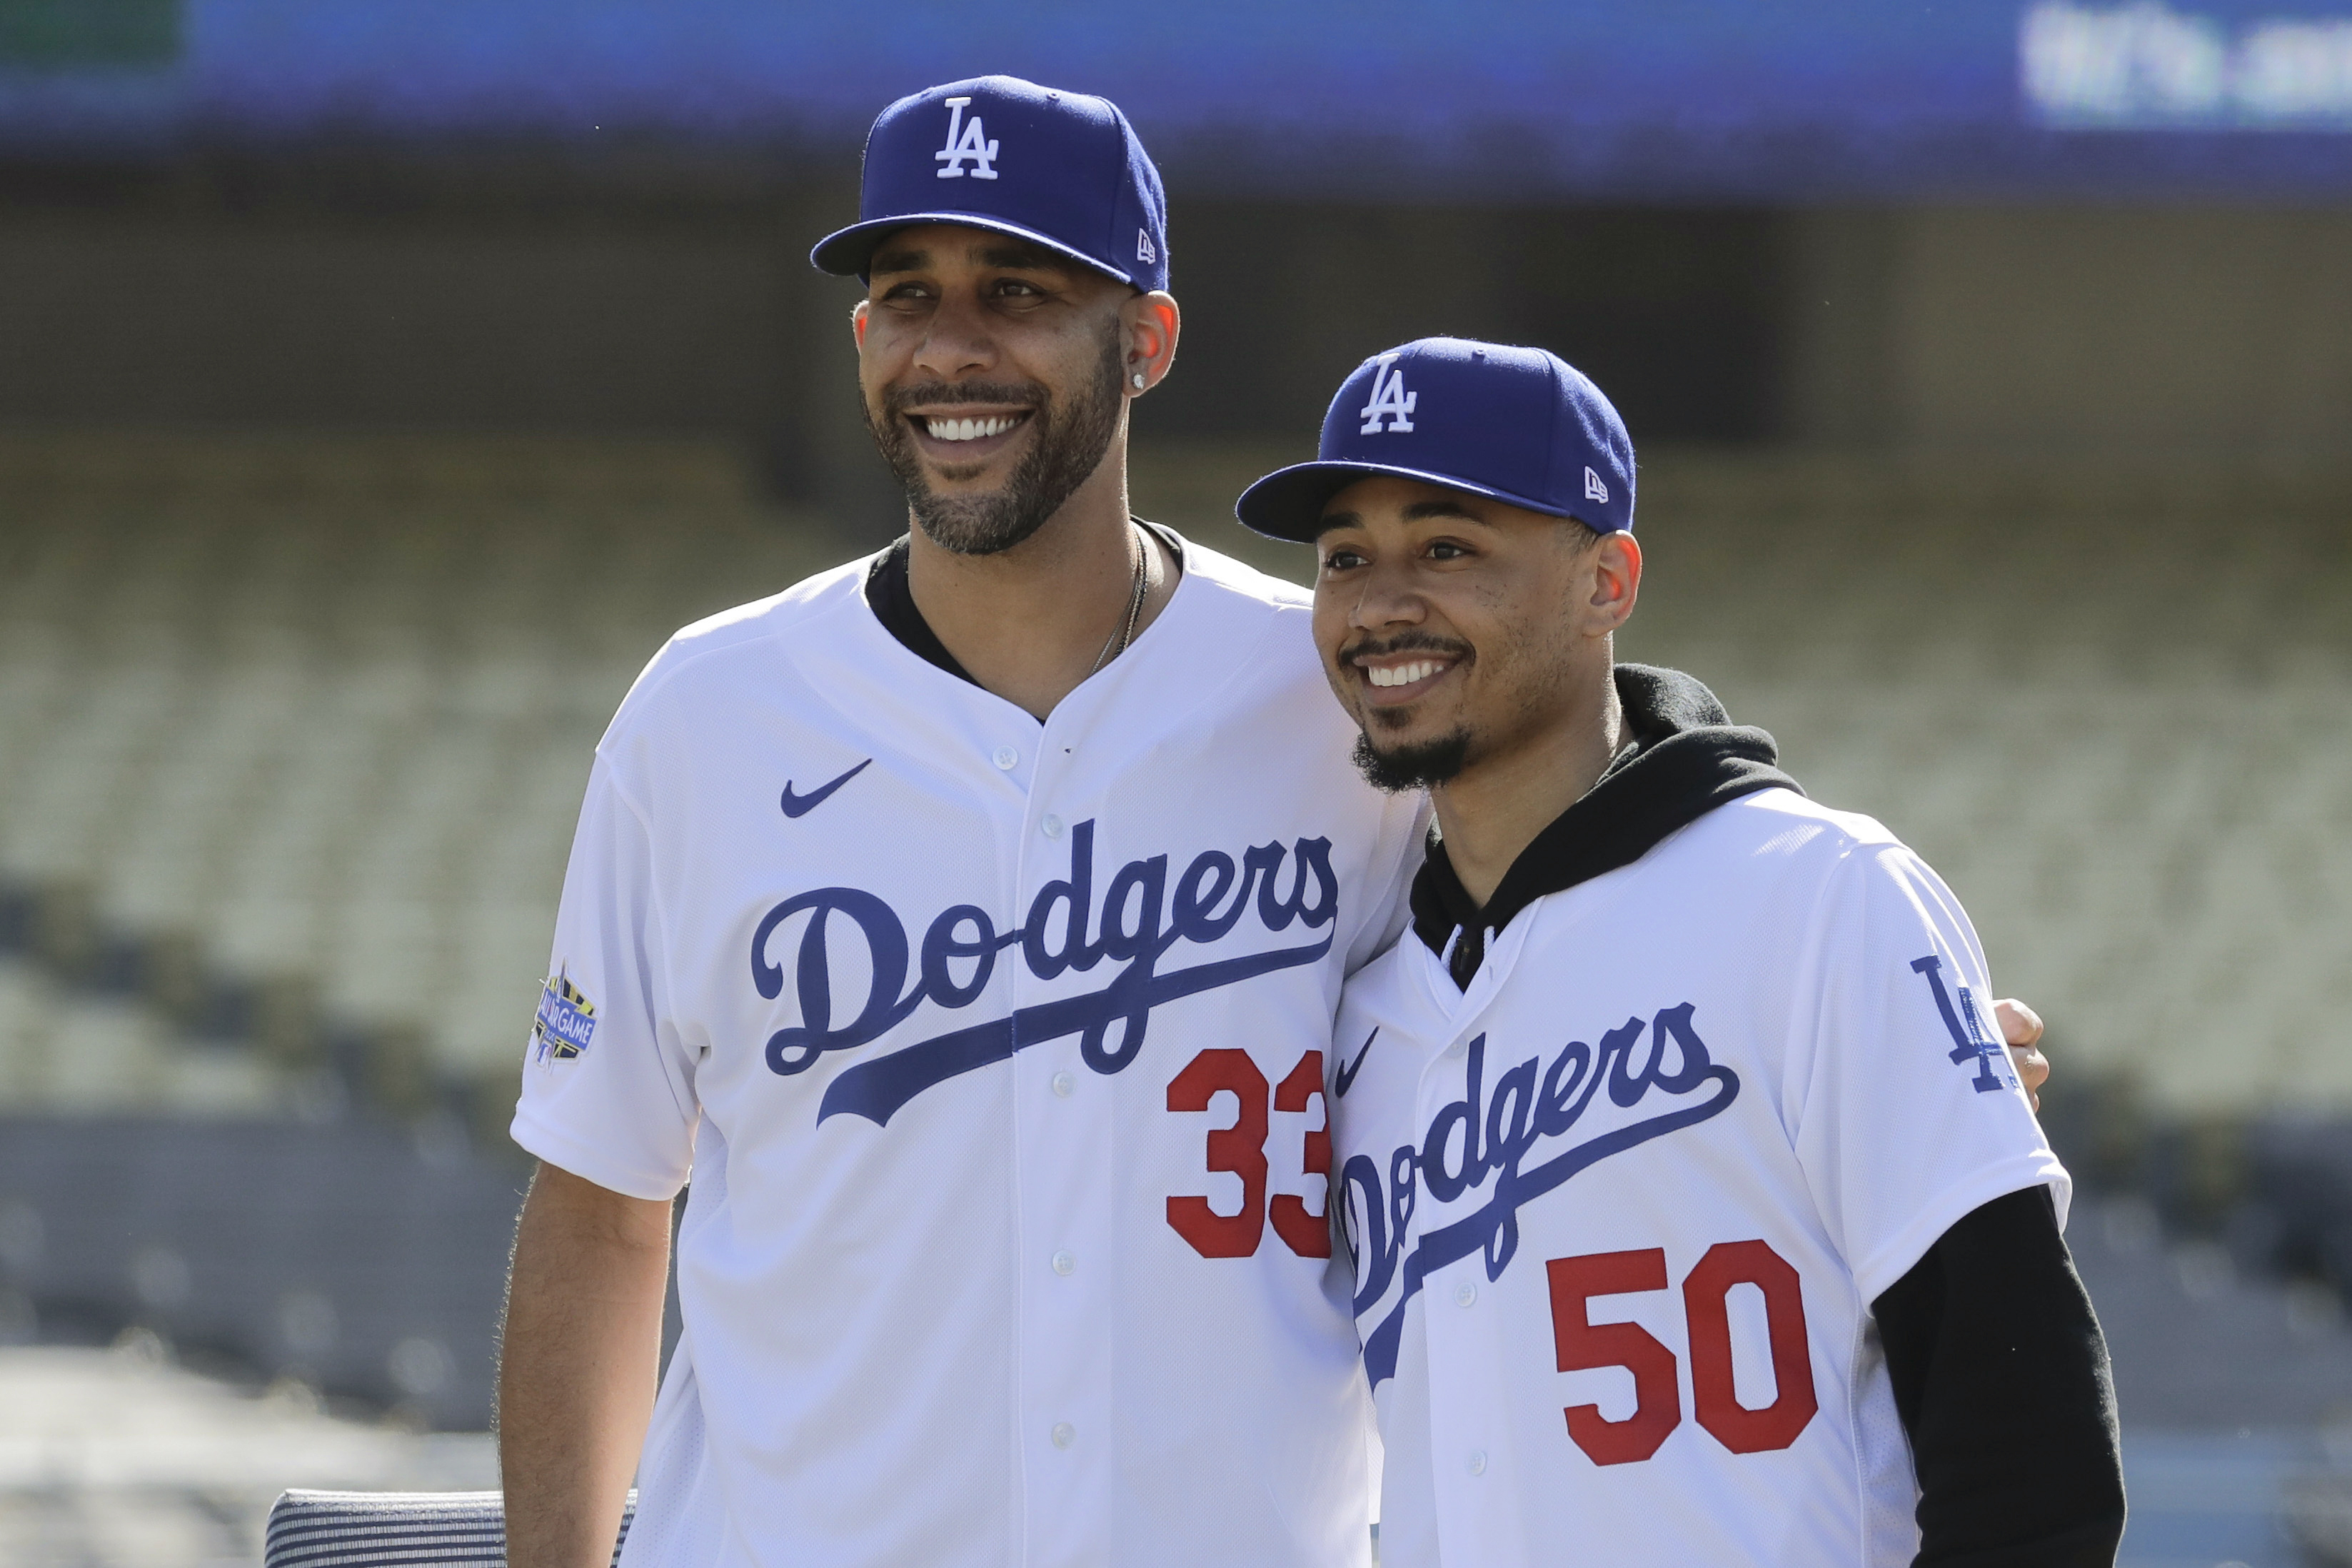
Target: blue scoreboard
pixel 1650 99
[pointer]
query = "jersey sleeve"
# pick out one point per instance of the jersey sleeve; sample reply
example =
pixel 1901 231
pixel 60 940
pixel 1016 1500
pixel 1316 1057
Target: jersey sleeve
pixel 1404 830
pixel 607 1087
pixel 1908 1115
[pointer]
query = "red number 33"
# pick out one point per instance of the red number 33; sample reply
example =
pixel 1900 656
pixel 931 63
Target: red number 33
pixel 1241 1151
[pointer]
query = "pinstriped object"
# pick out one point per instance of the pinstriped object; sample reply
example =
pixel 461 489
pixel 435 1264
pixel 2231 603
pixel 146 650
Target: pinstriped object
pixel 395 1530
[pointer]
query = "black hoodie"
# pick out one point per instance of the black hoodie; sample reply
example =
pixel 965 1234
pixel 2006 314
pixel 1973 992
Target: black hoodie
pixel 2000 1372
pixel 1687 757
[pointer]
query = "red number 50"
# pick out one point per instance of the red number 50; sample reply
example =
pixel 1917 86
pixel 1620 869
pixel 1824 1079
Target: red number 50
pixel 1657 1401
pixel 1241 1150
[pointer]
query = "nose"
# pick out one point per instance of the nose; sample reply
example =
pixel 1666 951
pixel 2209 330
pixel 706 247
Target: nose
pixel 956 340
pixel 1386 601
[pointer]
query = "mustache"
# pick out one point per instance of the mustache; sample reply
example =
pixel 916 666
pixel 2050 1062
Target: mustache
pixel 942 394
pixel 1408 642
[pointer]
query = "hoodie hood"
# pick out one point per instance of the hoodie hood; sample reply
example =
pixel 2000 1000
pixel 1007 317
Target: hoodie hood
pixel 1687 758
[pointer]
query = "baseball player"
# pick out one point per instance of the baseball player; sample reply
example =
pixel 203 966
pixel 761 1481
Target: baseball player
pixel 970 922
pixel 1695 1214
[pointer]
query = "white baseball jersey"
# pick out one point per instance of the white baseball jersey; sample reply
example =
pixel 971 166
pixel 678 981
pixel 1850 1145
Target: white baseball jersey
pixel 996 1052
pixel 1619 1211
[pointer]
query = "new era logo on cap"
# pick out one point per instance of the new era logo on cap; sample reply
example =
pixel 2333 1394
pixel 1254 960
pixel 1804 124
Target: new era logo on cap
pixel 1516 425
pixel 1061 169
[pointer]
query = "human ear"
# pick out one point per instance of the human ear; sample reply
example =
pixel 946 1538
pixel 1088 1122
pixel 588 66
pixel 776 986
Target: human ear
pixel 857 322
pixel 1616 581
pixel 1152 322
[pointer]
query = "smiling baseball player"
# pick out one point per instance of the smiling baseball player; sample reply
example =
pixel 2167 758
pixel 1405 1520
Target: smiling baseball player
pixel 1696 1217
pixel 968 921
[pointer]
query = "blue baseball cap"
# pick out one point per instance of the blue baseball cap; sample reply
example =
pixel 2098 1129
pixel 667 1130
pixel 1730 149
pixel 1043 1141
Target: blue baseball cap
pixel 1517 425
pixel 1061 169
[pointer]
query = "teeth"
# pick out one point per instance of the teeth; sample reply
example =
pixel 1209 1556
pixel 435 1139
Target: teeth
pixel 1405 674
pixel 969 429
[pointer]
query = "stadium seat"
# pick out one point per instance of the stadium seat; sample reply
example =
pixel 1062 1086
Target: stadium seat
pixel 325 714
pixel 324 718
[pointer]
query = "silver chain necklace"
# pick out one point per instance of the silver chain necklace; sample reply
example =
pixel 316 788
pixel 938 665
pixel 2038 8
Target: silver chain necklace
pixel 1124 633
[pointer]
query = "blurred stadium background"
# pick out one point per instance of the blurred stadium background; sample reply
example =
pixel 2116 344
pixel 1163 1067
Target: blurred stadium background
pixel 379 385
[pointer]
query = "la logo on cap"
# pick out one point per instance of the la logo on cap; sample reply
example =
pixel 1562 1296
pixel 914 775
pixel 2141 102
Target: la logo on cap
pixel 1593 488
pixel 966 140
pixel 1389 400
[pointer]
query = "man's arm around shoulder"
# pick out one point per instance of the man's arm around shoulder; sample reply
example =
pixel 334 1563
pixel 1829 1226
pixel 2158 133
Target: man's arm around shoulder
pixel 579 1358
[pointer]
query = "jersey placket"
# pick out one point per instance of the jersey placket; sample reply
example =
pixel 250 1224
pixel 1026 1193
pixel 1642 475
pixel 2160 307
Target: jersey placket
pixel 1063 1115
pixel 1470 1455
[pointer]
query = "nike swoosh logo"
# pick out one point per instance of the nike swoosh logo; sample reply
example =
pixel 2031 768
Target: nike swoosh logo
pixel 802 804
pixel 1348 1069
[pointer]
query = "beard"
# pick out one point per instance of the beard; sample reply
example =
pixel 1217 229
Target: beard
pixel 1066 449
pixel 1419 765
pixel 1423 764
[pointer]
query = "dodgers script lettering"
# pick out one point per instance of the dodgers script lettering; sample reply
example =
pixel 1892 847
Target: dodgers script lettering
pixel 1139 919
pixel 1482 1141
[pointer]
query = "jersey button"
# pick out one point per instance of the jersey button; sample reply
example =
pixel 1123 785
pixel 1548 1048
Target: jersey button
pixel 1052 826
pixel 1064 1086
pixel 1064 1263
pixel 1465 1294
pixel 1477 1466
pixel 1007 758
pixel 1064 1433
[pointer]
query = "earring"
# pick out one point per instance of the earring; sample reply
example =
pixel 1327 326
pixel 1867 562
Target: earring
pixel 1137 379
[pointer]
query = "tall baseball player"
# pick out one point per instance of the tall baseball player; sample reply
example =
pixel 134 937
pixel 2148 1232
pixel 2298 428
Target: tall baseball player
pixel 968 921
pixel 1696 1216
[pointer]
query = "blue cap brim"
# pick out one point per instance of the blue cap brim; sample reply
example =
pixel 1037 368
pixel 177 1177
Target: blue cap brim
pixel 1288 502
pixel 848 253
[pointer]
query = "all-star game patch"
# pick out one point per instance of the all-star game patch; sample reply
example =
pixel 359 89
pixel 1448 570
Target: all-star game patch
pixel 566 1021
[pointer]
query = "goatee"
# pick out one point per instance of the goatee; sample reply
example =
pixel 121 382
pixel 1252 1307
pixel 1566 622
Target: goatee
pixel 1421 765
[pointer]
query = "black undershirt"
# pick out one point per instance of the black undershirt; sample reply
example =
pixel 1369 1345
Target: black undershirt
pixel 892 599
pixel 2001 1377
